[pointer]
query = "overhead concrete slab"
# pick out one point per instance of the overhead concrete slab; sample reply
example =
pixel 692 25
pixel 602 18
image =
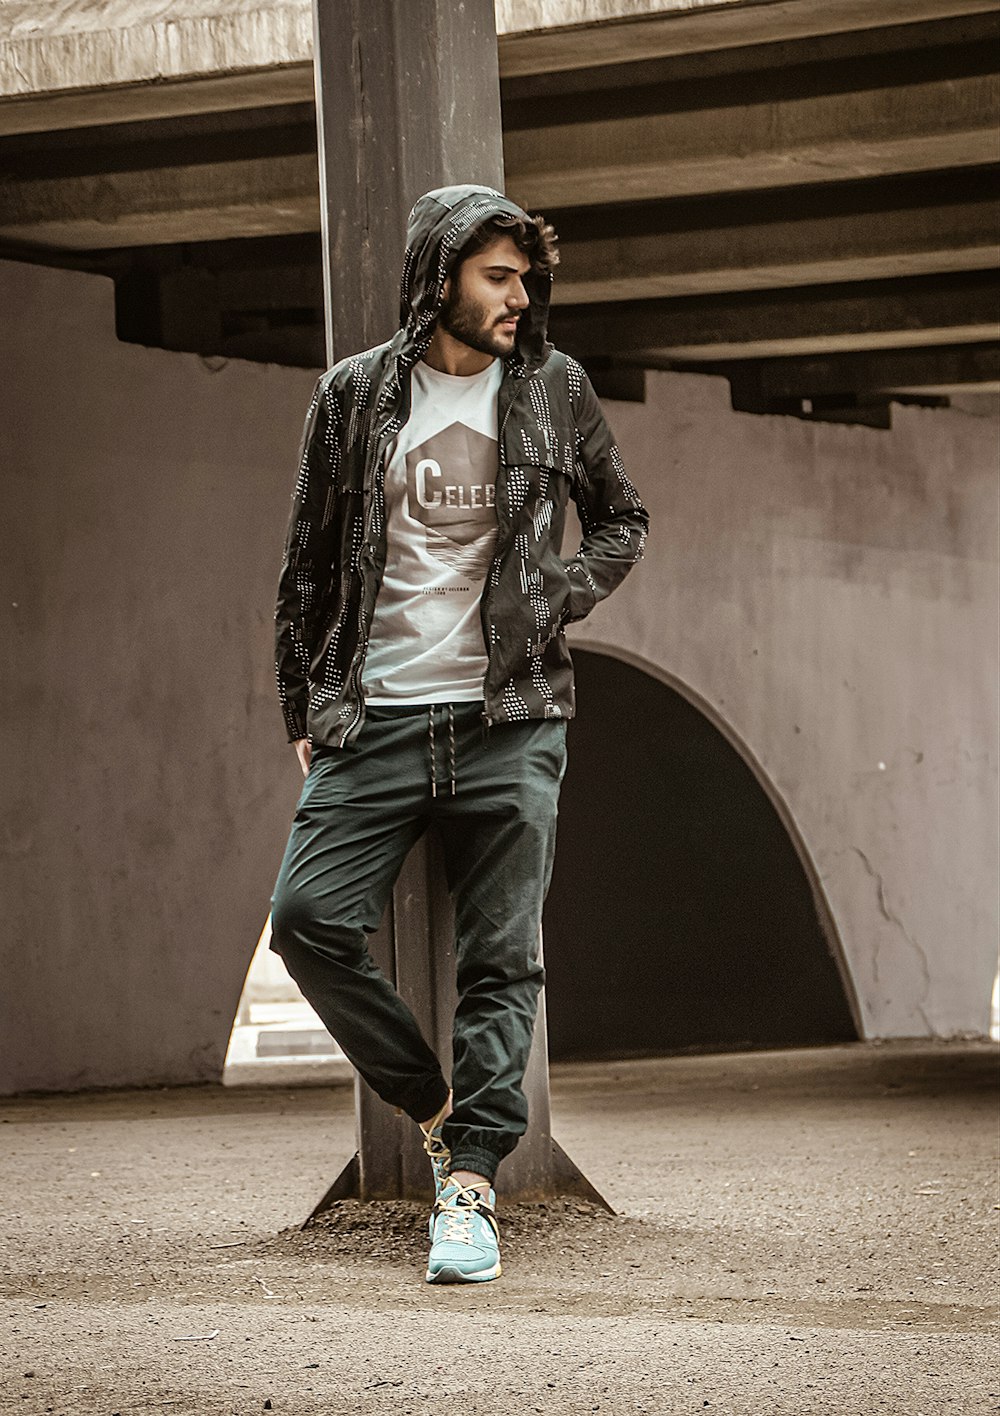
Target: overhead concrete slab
pixel 76 63
pixel 539 36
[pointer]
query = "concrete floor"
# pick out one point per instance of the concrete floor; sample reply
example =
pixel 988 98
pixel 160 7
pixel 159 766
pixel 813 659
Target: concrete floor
pixel 801 1232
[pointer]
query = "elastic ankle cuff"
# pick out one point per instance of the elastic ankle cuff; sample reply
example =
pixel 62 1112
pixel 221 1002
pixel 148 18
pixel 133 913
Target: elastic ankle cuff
pixel 480 1162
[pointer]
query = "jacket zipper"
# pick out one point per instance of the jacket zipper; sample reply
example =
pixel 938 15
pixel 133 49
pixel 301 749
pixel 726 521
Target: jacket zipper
pixel 379 445
pixel 483 603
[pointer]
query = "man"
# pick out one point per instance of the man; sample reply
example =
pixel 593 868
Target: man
pixel 424 675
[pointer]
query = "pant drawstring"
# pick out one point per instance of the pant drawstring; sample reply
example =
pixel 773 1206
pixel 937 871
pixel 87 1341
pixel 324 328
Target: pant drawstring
pixel 451 745
pixel 452 756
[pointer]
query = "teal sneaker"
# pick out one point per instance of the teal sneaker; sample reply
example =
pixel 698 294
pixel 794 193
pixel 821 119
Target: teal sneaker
pixel 440 1155
pixel 465 1239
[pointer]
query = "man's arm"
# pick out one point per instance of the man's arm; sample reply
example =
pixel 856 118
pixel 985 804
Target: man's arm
pixel 307 561
pixel 612 516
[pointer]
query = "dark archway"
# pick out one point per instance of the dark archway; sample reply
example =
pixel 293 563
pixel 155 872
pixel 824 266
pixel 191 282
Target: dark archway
pixel 680 914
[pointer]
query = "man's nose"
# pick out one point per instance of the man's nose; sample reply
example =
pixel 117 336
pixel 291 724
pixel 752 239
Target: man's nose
pixel 518 297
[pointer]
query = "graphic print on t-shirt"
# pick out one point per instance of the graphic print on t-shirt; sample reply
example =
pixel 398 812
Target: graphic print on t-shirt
pixel 427 642
pixel 451 492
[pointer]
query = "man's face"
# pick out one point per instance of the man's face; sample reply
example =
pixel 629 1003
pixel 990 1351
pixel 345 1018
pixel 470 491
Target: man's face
pixel 484 298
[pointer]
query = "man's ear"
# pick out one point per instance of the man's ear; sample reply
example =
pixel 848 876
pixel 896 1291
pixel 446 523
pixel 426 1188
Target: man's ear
pixel 446 288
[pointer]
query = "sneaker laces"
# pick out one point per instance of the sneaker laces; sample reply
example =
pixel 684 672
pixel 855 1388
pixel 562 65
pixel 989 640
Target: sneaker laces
pixel 436 1148
pixel 456 1210
pixel 433 1140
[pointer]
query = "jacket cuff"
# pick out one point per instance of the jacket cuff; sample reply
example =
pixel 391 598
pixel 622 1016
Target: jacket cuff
pixel 582 596
pixel 295 722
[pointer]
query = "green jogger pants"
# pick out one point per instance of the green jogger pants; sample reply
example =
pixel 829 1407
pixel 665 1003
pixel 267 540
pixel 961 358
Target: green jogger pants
pixel 493 798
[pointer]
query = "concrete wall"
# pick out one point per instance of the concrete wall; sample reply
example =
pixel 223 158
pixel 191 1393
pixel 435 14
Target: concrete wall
pixel 147 787
pixel 828 592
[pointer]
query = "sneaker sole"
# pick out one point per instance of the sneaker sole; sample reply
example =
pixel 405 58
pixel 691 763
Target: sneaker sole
pixel 449 1274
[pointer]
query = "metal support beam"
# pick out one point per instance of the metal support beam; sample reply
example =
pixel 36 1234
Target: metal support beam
pixel 408 98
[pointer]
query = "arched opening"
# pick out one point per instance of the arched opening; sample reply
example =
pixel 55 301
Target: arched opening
pixel 681 915
pixel 276 1037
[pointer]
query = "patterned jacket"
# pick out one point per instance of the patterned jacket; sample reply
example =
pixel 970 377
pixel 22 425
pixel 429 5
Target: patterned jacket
pixel 553 444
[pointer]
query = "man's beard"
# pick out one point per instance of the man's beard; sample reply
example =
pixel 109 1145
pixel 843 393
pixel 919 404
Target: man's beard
pixel 467 322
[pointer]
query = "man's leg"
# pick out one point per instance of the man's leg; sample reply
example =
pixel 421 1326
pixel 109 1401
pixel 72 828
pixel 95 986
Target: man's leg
pixel 498 832
pixel 360 812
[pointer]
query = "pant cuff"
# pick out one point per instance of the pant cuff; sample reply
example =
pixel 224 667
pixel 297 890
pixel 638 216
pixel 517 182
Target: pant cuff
pixel 481 1162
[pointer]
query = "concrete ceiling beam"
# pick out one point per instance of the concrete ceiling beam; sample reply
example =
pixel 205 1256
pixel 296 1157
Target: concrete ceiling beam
pixel 544 36
pixel 940 122
pixel 211 201
pixel 152 101
pixel 279 287
pixel 939 370
pixel 824 319
pixel 823 241
pixel 908 127
pixel 100 61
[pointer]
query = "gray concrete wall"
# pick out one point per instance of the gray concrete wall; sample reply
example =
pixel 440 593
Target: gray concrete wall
pixel 828 592
pixel 147 786
pixel 829 595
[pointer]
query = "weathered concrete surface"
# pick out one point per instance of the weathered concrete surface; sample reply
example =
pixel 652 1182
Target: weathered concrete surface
pixel 900 124
pixel 798 1234
pixel 79 44
pixel 569 34
pixel 822 241
pixel 147 784
pixel 889 314
pixel 958 369
pixel 829 596
pixel 901 127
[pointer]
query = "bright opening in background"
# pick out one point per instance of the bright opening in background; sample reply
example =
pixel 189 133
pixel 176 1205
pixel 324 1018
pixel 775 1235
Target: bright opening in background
pixel 995 1010
pixel 277 1038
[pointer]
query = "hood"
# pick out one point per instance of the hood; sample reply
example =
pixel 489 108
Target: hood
pixel 438 227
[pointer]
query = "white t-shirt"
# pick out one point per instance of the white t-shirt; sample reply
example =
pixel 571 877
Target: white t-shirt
pixel 426 643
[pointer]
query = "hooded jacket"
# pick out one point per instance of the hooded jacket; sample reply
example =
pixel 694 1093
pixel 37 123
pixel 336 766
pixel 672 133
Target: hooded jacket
pixel 553 445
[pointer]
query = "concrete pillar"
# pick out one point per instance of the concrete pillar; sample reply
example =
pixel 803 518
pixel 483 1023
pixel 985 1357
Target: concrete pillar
pixel 408 99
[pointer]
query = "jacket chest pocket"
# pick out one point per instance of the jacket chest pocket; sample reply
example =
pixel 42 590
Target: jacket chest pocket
pixel 539 473
pixel 537 493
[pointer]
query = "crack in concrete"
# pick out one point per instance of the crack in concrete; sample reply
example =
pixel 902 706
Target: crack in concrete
pixel 894 919
pixel 25 79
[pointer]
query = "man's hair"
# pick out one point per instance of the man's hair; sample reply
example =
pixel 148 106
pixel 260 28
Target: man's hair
pixel 533 237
